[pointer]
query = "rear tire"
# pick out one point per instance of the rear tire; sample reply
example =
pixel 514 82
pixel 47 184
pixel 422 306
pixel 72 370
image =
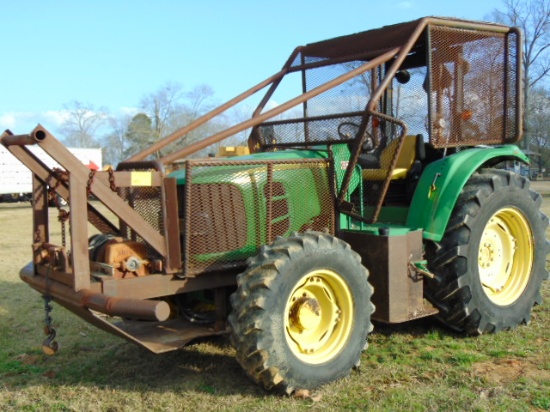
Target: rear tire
pixel 490 264
pixel 301 313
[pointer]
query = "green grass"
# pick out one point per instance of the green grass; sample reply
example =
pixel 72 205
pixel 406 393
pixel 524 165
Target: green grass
pixel 416 366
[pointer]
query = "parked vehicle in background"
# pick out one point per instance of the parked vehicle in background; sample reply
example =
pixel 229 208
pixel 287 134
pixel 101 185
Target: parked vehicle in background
pixel 16 178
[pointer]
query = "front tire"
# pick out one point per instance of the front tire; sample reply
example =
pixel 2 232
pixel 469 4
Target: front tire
pixel 301 313
pixel 490 264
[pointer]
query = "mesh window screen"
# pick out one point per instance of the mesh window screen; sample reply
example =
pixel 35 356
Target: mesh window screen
pixel 472 85
pixel 317 120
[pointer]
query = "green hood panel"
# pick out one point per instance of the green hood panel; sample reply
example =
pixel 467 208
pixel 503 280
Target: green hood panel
pixel 179 175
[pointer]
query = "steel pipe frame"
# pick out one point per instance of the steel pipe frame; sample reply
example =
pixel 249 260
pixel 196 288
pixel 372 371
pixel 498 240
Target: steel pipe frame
pixel 279 109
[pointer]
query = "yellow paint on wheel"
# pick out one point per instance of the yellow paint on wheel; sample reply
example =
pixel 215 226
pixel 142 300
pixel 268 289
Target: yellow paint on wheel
pixel 505 257
pixel 319 316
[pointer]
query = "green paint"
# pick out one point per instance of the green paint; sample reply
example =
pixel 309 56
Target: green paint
pixel 179 175
pixel 442 182
pixel 297 191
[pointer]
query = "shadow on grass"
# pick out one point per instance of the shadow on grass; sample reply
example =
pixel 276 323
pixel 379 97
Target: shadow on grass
pixel 417 328
pixel 92 358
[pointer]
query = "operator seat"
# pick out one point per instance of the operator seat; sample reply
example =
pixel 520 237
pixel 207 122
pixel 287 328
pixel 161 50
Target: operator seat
pixel 412 150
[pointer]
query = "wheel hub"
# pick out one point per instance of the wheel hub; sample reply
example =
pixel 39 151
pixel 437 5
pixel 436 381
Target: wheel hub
pixel 319 316
pixel 503 268
pixel 305 313
pixel 487 254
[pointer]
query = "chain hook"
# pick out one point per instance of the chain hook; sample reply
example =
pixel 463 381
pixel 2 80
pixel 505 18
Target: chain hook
pixel 49 345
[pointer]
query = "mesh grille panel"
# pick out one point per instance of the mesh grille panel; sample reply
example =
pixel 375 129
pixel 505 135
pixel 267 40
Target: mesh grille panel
pixel 146 201
pixel 472 85
pixel 304 132
pixel 350 96
pixel 218 221
pixel 233 208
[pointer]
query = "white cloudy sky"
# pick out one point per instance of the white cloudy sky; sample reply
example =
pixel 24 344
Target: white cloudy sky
pixel 110 53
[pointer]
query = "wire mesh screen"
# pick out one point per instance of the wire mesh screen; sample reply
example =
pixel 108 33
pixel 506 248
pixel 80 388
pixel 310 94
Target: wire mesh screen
pixel 233 208
pixel 350 96
pixel 146 201
pixel 317 120
pixel 472 86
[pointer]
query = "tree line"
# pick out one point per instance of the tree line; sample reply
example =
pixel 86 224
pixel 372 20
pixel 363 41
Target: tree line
pixel 158 114
pixel 533 18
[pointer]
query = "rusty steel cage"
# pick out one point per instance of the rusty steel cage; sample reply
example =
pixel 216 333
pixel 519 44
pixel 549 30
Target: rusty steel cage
pixel 447 82
pixel 473 84
pixel 363 103
pixel 470 72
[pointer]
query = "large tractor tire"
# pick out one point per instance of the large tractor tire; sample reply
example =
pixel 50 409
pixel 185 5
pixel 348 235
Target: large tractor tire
pixel 301 313
pixel 490 264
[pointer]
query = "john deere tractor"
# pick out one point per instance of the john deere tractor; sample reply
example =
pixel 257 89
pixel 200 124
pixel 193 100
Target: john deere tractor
pixel 384 190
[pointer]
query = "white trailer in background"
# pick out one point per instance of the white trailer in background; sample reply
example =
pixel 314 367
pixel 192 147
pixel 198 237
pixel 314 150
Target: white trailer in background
pixel 16 179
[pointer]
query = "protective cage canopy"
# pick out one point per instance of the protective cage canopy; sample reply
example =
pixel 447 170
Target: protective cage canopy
pixel 462 86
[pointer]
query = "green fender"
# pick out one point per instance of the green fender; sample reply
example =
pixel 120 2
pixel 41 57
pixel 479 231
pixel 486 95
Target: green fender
pixel 443 180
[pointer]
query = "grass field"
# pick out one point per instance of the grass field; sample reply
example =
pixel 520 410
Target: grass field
pixel 415 366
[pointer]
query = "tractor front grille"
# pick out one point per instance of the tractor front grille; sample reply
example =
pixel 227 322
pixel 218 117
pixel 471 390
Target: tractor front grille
pixel 229 209
pixel 217 218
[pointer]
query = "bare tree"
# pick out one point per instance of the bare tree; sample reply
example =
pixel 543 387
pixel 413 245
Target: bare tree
pixel 116 141
pixel 533 18
pixel 162 106
pixel 82 124
pixel 238 115
pixel 171 108
pixel 540 127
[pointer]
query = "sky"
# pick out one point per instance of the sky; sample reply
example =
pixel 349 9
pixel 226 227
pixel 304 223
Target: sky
pixel 111 53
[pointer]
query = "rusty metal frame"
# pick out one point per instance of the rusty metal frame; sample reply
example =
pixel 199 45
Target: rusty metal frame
pixel 75 187
pixel 66 276
pixel 377 95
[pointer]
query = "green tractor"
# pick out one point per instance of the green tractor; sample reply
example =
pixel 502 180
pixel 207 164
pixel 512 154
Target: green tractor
pixel 382 191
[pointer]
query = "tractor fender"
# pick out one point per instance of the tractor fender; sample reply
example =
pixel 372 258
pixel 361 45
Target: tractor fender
pixel 442 181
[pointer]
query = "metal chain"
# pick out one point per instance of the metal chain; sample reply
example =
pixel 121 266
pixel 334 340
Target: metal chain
pixel 63 215
pixel 89 183
pixel 112 183
pixel 62 219
pixel 49 345
pixel 52 195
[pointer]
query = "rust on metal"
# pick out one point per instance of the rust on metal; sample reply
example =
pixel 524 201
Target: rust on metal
pixel 160 240
pixel 398 293
pixel 277 110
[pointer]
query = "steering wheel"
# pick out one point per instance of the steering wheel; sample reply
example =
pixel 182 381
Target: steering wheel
pixel 349 130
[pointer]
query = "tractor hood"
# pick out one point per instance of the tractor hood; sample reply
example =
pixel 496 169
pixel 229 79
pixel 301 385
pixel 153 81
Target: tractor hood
pixel 180 175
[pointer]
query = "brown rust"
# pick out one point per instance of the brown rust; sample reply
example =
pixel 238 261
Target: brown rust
pixel 157 310
pixel 398 293
pixel 93 299
pixel 279 109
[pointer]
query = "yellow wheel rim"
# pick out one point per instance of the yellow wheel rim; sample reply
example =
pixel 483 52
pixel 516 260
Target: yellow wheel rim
pixel 505 256
pixel 319 316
